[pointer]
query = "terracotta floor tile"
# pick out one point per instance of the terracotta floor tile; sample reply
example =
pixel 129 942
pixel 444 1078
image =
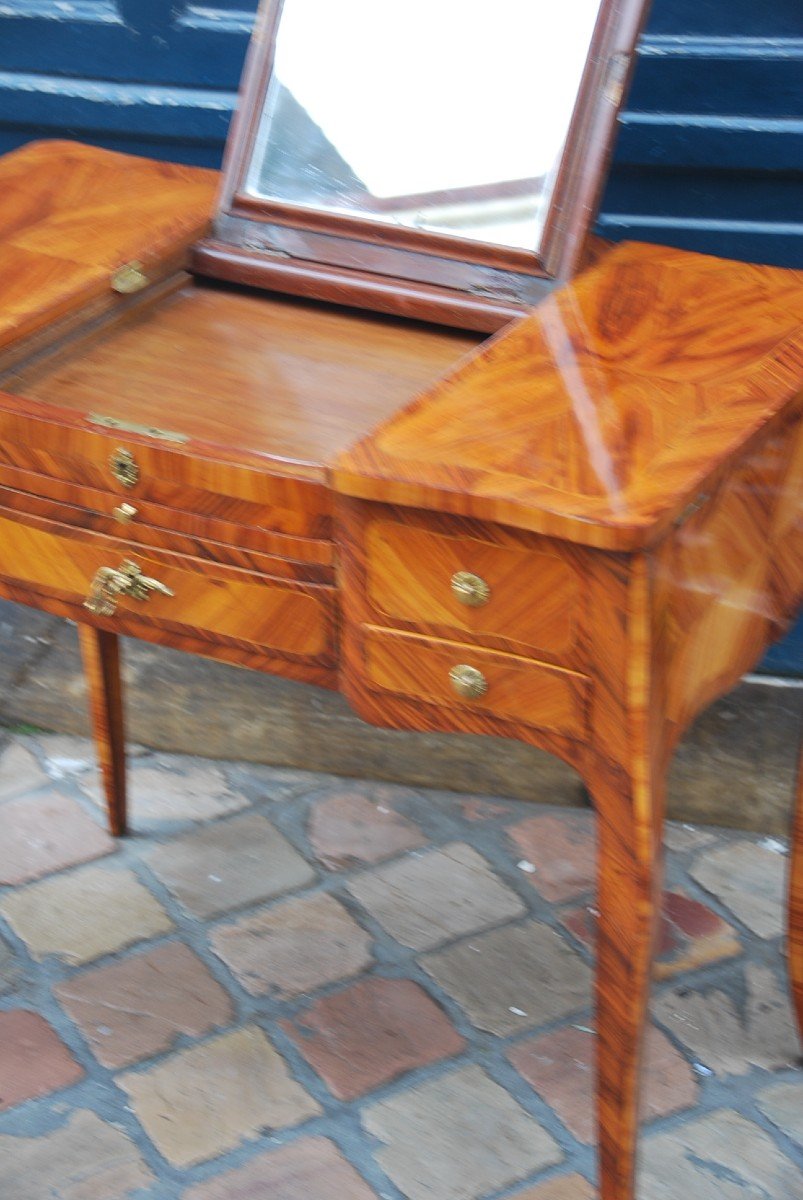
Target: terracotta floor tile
pixel 84 1159
pixel 33 1059
pixel 137 1007
pixel 229 864
pixel 566 1187
pixel 372 1032
pixel 690 935
pixel 200 1102
pixel 562 849
pixel 84 914
pixel 294 947
pixel 560 1067
pixel 514 978
pixel 352 827
pixel 310 1169
pixel 430 898
pixel 457 1137
pixel 46 833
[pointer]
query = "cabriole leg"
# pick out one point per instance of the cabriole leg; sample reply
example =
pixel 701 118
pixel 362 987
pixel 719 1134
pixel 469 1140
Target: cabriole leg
pixel 628 900
pixel 101 654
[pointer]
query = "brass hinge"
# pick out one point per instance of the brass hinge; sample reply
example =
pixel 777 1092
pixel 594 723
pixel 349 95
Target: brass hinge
pixel 129 278
pixel 163 435
pixel 692 508
pixel 616 78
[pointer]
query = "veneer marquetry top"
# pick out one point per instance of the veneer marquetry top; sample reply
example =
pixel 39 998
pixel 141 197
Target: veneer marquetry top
pixel 70 215
pixel 601 415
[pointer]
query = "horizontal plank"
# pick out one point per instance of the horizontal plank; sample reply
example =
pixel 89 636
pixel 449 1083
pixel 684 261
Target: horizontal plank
pixel 723 76
pixel 708 140
pixel 718 195
pixel 204 47
pixel 773 18
pixel 772 243
pixel 143 109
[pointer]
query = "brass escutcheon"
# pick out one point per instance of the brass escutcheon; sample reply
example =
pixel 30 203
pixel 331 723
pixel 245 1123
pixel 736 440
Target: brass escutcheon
pixel 129 278
pixel 126 580
pixel 124 513
pixel 470 589
pixel 124 467
pixel 468 682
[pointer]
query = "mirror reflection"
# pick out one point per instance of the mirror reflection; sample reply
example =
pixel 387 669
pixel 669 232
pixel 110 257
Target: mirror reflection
pixel 410 112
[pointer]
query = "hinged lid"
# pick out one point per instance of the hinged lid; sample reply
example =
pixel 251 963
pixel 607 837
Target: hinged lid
pixel 84 230
pixel 616 404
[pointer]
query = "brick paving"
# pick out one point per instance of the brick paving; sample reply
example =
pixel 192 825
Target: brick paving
pixel 287 986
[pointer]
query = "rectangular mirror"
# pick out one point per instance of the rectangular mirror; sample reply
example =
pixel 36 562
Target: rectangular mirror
pixel 436 158
pixel 348 128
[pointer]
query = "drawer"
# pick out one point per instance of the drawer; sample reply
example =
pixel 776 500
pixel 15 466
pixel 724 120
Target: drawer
pixel 511 688
pixel 57 444
pixel 218 603
pixel 464 584
pixel 166 528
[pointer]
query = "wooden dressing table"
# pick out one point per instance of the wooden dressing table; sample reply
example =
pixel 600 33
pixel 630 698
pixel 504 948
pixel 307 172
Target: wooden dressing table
pixel 576 534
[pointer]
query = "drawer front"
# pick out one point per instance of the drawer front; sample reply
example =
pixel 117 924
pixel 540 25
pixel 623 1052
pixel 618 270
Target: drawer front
pixel 472 586
pixel 220 603
pixel 167 528
pixel 58 445
pixel 516 689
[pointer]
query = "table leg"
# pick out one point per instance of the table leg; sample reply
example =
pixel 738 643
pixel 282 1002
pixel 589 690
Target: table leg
pixel 796 900
pixel 101 655
pixel 628 900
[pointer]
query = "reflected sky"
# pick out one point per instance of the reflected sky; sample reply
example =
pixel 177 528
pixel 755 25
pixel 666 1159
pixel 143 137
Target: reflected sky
pixel 446 115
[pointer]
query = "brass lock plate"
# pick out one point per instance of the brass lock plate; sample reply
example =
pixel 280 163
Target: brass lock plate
pixel 109 583
pixel 128 279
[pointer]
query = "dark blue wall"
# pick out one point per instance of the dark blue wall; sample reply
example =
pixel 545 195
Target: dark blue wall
pixel 709 156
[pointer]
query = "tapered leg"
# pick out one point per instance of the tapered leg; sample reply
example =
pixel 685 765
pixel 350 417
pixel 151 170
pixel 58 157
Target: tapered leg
pixel 628 900
pixel 101 655
pixel 796 900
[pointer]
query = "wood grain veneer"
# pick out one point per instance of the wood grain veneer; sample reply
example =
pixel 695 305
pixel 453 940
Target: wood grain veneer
pixel 222 602
pixel 518 689
pixel 312 561
pixel 71 215
pixel 100 651
pixel 534 591
pixel 600 416
pixel 288 385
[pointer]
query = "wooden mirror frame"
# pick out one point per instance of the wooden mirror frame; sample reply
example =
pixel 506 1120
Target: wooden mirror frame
pixel 412 272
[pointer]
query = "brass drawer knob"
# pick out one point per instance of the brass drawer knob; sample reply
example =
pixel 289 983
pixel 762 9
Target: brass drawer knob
pixel 124 467
pixel 470 589
pixel 468 682
pixel 124 513
pixel 125 580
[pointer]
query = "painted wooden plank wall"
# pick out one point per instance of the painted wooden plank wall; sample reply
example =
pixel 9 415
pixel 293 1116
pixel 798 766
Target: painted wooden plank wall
pixel 709 155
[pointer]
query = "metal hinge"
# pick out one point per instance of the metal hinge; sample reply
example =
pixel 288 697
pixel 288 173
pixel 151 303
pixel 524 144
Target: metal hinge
pixel 692 508
pixel 162 435
pixel 616 78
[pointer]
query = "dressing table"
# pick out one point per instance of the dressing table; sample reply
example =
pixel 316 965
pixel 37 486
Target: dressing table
pixel 308 458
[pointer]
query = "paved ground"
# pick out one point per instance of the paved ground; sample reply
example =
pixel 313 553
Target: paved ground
pixel 735 766
pixel 289 986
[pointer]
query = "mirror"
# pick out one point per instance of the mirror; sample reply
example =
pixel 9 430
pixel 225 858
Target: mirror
pixel 406 112
pixel 436 159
